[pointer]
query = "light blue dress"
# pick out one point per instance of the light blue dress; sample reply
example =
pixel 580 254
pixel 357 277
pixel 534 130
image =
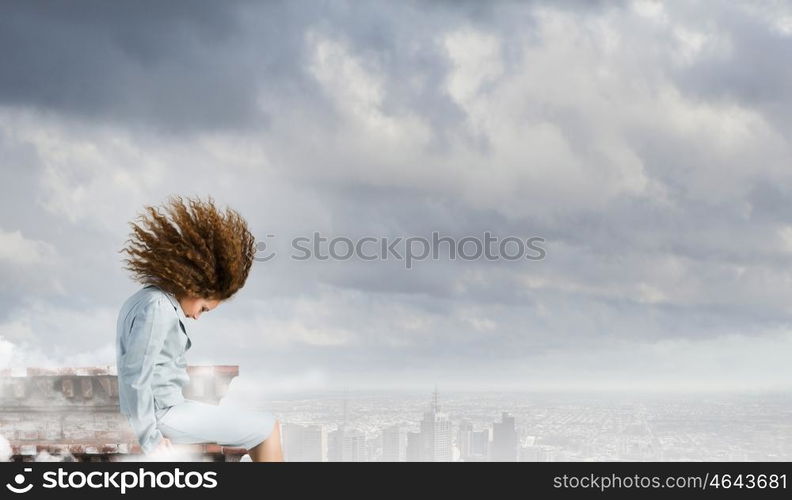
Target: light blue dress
pixel 151 342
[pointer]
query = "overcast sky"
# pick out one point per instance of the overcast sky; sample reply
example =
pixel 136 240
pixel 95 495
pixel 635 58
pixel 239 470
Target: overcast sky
pixel 648 144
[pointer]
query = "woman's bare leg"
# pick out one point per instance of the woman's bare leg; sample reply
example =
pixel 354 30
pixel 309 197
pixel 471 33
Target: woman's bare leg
pixel 268 450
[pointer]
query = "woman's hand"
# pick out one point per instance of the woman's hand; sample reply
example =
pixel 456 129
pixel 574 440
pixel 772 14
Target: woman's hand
pixel 165 445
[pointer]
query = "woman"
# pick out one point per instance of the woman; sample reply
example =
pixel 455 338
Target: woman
pixel 190 259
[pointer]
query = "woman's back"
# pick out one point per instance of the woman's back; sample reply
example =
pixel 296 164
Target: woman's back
pixel 151 342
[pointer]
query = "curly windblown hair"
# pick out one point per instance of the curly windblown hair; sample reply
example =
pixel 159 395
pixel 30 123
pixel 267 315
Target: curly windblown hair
pixel 192 250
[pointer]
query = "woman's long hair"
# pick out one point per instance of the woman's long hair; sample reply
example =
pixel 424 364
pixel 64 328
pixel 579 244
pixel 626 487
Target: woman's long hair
pixel 191 249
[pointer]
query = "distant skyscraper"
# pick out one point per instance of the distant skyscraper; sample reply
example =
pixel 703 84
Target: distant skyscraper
pixel 435 435
pixel 347 445
pixel 464 438
pixel 414 451
pixel 304 443
pixel 394 444
pixel 504 440
pixel 335 445
pixel 479 446
pixel 374 449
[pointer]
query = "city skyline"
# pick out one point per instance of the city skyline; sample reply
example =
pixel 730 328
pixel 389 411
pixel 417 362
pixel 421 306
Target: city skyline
pixel 595 428
pixel 66 414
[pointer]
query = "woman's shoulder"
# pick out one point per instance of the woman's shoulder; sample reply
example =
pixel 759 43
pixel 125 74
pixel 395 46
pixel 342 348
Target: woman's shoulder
pixel 147 297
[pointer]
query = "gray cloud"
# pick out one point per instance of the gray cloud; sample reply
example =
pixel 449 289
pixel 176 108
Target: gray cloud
pixel 631 137
pixel 172 66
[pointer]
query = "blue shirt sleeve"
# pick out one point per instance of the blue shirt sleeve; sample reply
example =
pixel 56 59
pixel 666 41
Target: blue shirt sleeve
pixel 143 342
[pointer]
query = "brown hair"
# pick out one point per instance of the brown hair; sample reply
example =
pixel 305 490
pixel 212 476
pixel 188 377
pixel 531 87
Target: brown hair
pixel 193 250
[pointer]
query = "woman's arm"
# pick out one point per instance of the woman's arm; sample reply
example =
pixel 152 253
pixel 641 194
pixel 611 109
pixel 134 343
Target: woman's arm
pixel 144 341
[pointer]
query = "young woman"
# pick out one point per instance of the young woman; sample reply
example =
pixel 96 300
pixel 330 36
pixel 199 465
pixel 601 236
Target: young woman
pixel 190 257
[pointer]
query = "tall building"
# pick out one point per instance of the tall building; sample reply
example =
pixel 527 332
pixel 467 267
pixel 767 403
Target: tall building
pixel 374 448
pixel 464 439
pixel 394 444
pixel 304 443
pixel 435 439
pixel 347 445
pixel 504 440
pixel 479 446
pixel 414 452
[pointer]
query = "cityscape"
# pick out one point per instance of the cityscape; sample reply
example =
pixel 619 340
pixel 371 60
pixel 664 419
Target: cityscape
pixel 515 427
pixel 72 413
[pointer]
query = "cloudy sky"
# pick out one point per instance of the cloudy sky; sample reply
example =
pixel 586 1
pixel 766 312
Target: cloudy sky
pixel 646 142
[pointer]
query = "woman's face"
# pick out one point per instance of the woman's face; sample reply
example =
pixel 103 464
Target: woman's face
pixel 193 307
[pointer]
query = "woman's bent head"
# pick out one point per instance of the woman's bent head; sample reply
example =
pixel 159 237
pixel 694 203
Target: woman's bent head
pixel 191 249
